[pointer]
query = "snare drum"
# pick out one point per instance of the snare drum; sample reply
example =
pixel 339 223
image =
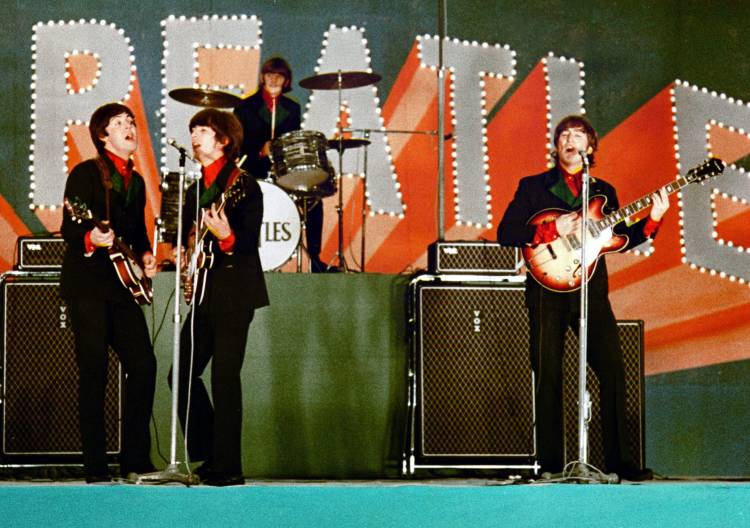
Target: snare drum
pixel 300 162
pixel 281 229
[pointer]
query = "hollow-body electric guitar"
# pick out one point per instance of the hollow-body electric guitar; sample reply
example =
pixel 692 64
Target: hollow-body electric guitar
pixel 556 265
pixel 199 256
pixel 129 271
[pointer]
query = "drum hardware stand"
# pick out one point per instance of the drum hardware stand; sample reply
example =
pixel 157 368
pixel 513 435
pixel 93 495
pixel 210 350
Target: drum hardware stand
pixel 364 209
pixel 340 206
pixel 302 203
pixel 172 472
pixel 366 133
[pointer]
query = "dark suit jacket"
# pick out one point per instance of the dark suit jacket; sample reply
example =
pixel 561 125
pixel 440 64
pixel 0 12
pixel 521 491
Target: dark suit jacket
pixel 94 276
pixel 546 191
pixel 235 281
pixel 256 123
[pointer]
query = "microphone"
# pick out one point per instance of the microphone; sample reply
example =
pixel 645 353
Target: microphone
pixel 584 157
pixel 182 150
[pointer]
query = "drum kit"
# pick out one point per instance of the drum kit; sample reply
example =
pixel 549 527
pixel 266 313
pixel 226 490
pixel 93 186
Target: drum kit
pixel 301 174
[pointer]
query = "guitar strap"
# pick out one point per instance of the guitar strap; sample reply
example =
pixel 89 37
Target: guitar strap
pixel 106 178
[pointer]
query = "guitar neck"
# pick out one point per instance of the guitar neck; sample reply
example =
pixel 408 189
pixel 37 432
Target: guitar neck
pixel 639 205
pixel 118 242
pixel 219 208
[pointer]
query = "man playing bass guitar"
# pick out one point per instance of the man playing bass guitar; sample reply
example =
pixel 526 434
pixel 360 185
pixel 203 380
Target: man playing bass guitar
pixel 225 299
pixel 553 309
pixel 104 312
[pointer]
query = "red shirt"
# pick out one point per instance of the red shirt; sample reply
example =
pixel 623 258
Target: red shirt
pixel 209 177
pixel 547 232
pixel 124 167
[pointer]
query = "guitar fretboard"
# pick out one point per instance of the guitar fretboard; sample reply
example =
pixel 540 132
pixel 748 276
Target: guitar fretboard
pixel 638 205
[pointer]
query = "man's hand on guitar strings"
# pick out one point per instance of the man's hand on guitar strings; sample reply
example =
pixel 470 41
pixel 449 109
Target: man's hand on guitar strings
pixel 101 239
pixel 661 204
pixel 217 223
pixel 568 224
pixel 149 264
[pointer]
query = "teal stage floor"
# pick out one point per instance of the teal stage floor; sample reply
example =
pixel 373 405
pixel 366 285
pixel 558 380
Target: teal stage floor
pixel 378 503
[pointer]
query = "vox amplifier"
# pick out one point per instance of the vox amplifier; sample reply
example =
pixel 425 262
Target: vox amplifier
pixel 40 253
pixel 472 258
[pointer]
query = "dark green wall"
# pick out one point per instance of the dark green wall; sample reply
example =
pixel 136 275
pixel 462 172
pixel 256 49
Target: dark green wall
pixel 323 379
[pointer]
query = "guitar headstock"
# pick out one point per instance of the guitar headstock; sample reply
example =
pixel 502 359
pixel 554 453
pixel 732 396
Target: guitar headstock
pixel 78 210
pixel 708 169
pixel 237 190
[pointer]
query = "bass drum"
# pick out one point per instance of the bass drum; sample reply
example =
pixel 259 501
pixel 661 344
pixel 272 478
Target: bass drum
pixel 281 229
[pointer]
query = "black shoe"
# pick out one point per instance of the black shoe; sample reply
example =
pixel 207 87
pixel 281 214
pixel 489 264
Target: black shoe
pixel 97 479
pixel 635 474
pixel 204 471
pixel 220 479
pixel 318 266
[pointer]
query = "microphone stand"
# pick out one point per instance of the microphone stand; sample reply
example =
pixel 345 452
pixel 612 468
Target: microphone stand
pixel 581 469
pixel 172 472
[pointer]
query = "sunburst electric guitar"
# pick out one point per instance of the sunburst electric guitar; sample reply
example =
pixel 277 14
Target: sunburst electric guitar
pixel 126 264
pixel 556 265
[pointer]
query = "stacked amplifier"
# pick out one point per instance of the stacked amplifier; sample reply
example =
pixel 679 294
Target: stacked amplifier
pixel 470 399
pixel 39 421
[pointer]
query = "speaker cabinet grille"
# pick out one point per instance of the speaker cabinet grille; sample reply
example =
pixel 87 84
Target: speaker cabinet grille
pixel 40 253
pixel 472 257
pixel 474 387
pixel 475 383
pixel 631 344
pixel 40 376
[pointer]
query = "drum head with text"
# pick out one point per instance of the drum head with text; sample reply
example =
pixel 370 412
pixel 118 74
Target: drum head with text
pixel 281 229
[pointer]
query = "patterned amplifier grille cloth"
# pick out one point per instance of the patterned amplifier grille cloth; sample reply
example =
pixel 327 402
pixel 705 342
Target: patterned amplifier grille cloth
pixel 40 406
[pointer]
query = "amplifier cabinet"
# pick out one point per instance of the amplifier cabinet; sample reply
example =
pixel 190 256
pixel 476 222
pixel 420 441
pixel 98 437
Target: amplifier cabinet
pixel 39 413
pixel 40 253
pixel 471 387
pixel 472 257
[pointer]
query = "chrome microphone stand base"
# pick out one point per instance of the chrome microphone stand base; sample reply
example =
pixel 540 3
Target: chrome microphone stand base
pixel 170 474
pixel 577 472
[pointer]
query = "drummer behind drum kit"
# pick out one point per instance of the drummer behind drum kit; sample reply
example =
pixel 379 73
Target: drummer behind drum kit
pixel 301 174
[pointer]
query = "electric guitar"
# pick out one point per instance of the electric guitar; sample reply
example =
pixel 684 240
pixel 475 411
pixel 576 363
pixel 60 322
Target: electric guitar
pixel 126 265
pixel 556 265
pixel 199 256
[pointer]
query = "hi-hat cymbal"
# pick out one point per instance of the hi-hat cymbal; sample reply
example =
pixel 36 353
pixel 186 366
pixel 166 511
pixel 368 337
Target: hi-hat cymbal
pixel 205 97
pixel 347 143
pixel 330 81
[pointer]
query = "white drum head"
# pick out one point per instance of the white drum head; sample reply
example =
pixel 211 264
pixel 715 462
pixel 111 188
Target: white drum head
pixel 281 229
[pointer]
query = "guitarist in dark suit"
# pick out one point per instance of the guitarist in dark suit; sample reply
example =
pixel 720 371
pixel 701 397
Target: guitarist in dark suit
pixel 225 301
pixel 552 312
pixel 256 115
pixel 102 310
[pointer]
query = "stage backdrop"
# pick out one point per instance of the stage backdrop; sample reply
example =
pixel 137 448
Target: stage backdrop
pixel 665 83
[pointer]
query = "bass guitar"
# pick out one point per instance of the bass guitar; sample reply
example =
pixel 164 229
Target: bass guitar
pixel 126 265
pixel 199 256
pixel 556 265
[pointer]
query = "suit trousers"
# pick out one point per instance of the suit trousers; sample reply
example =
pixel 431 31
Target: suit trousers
pixel 550 317
pixel 98 323
pixel 214 431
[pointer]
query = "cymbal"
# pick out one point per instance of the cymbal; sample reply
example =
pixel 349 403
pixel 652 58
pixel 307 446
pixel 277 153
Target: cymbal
pixel 347 143
pixel 330 81
pixel 205 97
